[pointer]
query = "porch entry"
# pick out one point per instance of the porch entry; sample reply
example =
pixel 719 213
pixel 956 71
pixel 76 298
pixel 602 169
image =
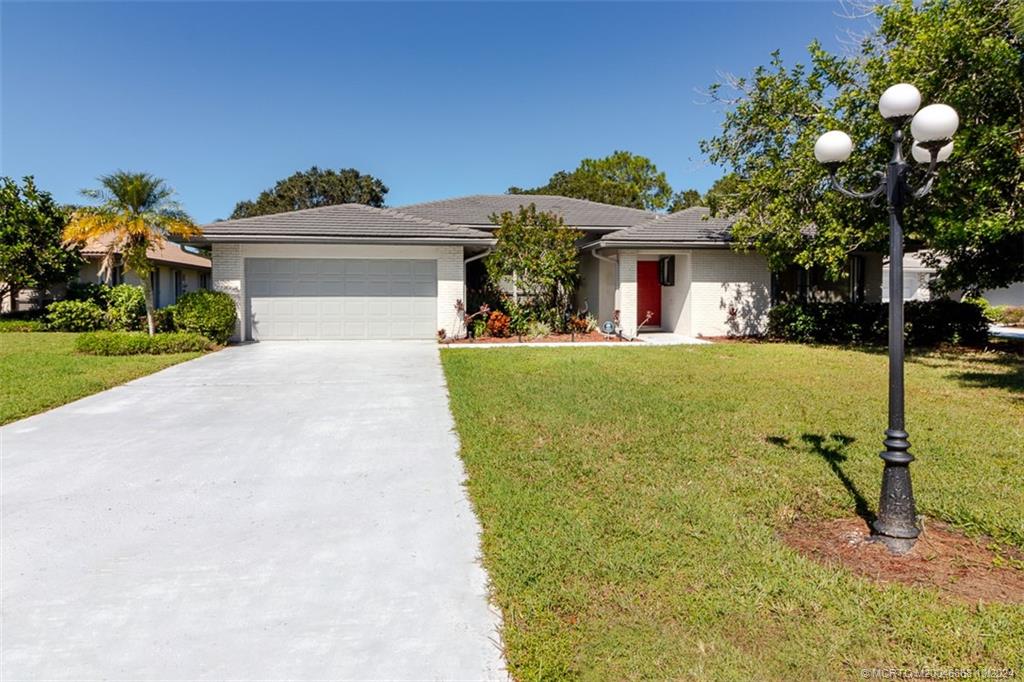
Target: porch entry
pixel 648 293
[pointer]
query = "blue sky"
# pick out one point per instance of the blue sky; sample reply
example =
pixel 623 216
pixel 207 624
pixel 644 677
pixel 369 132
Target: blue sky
pixel 437 100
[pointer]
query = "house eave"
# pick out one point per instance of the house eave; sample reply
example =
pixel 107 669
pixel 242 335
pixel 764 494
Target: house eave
pixel 605 244
pixel 315 239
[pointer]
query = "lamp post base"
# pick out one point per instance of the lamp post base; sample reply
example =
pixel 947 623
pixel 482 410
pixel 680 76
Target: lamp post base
pixel 896 525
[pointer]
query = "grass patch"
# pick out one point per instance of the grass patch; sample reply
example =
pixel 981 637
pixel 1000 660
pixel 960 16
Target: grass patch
pixel 39 371
pixel 630 501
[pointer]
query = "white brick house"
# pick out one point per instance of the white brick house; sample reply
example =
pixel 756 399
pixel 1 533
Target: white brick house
pixel 352 271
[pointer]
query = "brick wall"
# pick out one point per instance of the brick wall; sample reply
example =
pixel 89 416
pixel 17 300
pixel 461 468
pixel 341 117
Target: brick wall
pixel 627 292
pixel 228 277
pixel 450 288
pixel 730 293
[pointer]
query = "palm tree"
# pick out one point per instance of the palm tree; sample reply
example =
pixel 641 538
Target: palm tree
pixel 136 212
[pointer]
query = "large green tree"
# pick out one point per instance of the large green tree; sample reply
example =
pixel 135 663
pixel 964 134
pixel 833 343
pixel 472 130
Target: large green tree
pixel 620 179
pixel 537 255
pixel 314 188
pixel 32 250
pixel 965 53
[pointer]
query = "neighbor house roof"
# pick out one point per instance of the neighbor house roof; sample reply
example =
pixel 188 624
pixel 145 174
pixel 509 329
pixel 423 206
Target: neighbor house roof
pixel 476 210
pixel 169 253
pixel 691 226
pixel 347 223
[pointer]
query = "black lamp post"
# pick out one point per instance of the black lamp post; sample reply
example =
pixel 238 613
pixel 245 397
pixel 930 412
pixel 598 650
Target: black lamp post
pixel 932 128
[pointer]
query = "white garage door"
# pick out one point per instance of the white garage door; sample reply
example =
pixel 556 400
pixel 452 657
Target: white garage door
pixel 341 298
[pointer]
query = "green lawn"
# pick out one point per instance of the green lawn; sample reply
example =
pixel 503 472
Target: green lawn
pixel 630 500
pixel 41 370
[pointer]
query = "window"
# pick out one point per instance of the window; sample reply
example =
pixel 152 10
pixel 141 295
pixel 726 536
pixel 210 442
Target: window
pixel 154 283
pixel 204 280
pixel 179 285
pixel 117 275
pixel 667 271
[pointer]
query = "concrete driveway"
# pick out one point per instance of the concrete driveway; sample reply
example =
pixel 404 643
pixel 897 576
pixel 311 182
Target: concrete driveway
pixel 272 511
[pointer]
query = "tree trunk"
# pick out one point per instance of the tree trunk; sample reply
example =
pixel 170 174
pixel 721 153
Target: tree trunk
pixel 147 294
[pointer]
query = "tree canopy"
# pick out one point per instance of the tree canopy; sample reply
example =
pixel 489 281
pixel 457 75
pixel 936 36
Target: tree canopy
pixel 136 211
pixel 965 53
pixel 621 179
pixel 32 250
pixel 536 254
pixel 314 188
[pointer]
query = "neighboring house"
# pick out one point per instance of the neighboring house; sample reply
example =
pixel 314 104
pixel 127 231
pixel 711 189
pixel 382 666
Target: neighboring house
pixel 353 271
pixel 917 277
pixel 176 270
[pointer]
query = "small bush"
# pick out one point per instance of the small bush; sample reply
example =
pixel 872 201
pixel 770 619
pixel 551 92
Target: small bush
pixel 582 324
pixel 126 308
pixel 537 330
pixel 927 323
pixel 139 343
pixel 8 324
pixel 498 324
pixel 210 313
pixel 1009 315
pixel 479 328
pixel 163 319
pixel 74 316
pixel 89 291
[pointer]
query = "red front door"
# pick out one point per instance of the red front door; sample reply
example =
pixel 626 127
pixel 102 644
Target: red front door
pixel 648 293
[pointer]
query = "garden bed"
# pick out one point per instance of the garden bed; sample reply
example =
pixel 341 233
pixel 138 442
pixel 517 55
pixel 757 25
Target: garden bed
pixel 589 337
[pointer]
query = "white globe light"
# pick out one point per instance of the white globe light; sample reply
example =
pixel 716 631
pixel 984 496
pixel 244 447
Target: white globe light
pixel 834 146
pixel 935 122
pixel 923 155
pixel 899 101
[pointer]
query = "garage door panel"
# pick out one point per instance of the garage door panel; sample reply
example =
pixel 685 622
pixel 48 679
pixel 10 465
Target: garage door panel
pixel 339 298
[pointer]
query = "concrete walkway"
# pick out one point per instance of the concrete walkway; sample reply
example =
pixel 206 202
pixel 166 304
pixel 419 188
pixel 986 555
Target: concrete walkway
pixel 272 511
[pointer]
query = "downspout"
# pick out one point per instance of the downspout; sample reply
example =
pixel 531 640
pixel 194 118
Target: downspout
pixel 614 261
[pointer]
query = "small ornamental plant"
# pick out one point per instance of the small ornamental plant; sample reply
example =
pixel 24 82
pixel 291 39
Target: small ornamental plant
pixel 498 325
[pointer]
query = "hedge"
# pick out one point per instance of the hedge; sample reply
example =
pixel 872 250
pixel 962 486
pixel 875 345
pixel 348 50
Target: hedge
pixel 74 316
pixel 210 313
pixel 927 323
pixel 138 343
pixel 14 324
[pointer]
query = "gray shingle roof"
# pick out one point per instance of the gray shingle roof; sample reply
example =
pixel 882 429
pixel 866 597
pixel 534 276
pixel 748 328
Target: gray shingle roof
pixel 477 210
pixel 341 222
pixel 690 226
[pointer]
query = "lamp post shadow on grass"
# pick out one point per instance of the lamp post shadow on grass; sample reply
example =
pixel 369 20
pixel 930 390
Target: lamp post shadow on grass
pixel 832 448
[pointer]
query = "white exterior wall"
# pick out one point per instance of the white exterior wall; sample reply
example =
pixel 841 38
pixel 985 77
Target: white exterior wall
pixel 228 276
pixel 627 292
pixel 229 271
pixel 731 293
pixel 675 300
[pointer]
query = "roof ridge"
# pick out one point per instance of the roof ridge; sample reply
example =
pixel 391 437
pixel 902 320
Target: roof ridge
pixel 524 196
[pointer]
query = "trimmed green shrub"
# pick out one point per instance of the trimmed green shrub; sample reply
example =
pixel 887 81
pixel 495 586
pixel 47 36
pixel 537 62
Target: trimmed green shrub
pixel 163 319
pixel 927 323
pixel 74 316
pixel 89 291
pixel 126 308
pixel 8 324
pixel 138 343
pixel 210 313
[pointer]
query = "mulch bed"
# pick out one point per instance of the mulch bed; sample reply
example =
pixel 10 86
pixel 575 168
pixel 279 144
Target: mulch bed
pixel 550 338
pixel 961 568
